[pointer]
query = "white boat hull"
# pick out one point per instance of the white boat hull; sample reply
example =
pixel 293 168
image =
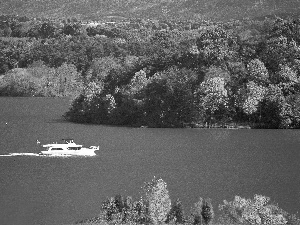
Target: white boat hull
pixel 82 152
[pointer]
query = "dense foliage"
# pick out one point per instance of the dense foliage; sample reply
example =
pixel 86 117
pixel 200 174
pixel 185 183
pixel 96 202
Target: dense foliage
pixel 158 73
pixel 154 207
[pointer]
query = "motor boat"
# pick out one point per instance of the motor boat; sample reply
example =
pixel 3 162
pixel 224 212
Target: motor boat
pixel 68 148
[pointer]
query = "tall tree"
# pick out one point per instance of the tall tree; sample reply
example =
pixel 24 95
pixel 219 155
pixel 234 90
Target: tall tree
pixel 157 196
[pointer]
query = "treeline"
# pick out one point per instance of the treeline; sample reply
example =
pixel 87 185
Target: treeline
pixel 161 73
pixel 41 81
pixel 155 207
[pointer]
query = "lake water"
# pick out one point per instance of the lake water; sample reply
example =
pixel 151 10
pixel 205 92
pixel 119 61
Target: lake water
pixel 215 163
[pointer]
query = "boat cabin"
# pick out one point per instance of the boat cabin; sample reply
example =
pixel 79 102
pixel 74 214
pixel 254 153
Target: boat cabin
pixel 68 141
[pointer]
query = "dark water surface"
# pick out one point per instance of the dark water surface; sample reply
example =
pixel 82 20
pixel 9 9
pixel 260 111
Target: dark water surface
pixel 215 163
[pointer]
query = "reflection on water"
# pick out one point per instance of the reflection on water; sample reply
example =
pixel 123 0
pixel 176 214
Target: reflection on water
pixel 219 134
pixel 215 163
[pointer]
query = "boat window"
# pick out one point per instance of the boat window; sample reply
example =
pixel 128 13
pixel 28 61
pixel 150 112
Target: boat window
pixel 56 149
pixel 74 148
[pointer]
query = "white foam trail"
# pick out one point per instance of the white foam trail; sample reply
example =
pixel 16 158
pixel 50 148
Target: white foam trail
pixel 24 154
pixel 42 155
pixel 20 154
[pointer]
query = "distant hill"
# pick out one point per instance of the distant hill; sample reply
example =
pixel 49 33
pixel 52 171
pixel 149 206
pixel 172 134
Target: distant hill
pixel 160 9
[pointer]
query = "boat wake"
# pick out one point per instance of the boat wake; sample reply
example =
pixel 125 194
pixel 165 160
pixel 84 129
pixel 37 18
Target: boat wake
pixel 20 154
pixel 43 155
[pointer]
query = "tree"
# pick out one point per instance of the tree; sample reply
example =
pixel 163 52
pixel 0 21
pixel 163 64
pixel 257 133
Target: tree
pixel 294 103
pixel 279 51
pixel 101 67
pixel 257 71
pixel 128 209
pixel 255 212
pixel 255 94
pixel 271 107
pixel 169 98
pixel 176 213
pixel 69 80
pixel 47 30
pixel 216 46
pixel 138 83
pixel 7 31
pixel 197 212
pixel 157 196
pixel 110 208
pixel 207 211
pixel 287 79
pixel 288 28
pixel 202 212
pixel 214 95
pixel 72 29
pixel 18 82
pixel 140 212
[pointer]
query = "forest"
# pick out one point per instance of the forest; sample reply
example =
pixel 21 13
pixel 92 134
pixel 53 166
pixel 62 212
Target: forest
pixel 158 73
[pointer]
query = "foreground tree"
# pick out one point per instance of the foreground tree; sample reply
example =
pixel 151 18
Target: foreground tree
pixel 255 212
pixel 176 213
pixel 157 197
pixel 202 212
